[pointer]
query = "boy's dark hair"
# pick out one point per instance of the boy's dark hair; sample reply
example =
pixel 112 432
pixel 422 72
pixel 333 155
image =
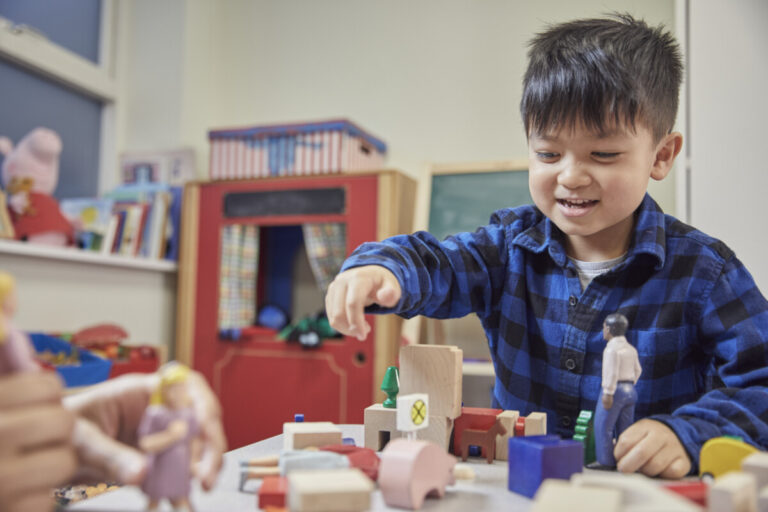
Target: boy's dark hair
pixel 617 324
pixel 601 72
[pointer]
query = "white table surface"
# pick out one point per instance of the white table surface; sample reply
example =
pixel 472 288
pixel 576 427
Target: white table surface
pixel 488 491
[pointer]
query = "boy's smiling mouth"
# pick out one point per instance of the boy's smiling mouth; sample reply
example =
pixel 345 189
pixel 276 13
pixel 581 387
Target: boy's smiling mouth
pixel 576 207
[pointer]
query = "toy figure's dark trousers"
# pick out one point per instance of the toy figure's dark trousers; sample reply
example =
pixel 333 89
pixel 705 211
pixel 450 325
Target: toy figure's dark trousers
pixel 610 423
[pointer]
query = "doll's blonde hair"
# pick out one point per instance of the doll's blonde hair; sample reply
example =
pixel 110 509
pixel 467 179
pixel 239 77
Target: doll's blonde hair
pixel 171 374
pixel 7 285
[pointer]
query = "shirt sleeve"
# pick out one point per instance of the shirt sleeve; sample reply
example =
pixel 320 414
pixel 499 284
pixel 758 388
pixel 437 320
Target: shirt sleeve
pixel 732 331
pixel 448 279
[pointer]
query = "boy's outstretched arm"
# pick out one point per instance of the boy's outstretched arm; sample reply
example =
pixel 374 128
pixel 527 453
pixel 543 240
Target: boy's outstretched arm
pixel 732 331
pixel 353 290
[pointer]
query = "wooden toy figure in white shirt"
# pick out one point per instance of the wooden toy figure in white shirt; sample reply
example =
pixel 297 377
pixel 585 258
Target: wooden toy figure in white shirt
pixel 616 406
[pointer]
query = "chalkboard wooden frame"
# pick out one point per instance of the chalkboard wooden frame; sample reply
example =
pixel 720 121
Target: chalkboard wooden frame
pixel 414 329
pixel 445 178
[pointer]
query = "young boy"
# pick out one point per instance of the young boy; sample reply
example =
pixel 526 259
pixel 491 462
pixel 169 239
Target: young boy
pixel 599 104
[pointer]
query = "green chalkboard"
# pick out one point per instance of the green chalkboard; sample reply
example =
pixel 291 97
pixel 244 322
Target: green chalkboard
pixel 463 201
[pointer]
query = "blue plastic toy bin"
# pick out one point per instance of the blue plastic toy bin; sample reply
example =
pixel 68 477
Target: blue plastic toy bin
pixel 92 369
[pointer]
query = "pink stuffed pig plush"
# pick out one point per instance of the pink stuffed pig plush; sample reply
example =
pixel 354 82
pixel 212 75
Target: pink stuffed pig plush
pixel 30 173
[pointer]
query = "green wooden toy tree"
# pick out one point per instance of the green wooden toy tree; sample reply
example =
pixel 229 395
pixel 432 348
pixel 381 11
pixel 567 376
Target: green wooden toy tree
pixel 391 385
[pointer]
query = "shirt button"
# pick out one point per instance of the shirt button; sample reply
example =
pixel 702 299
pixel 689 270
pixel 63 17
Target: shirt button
pixel 572 300
pixel 570 364
pixel 565 421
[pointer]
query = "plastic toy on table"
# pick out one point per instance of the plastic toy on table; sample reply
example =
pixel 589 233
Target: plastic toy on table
pixel 167 433
pixel 616 406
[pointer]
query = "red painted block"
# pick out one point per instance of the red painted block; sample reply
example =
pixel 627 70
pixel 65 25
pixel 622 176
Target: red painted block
pixel 694 491
pixel 359 457
pixel 476 418
pixel 520 426
pixel 272 491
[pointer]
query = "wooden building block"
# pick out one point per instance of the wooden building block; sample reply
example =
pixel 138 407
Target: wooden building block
pixel 560 496
pixel 272 491
pixel 379 426
pixel 334 490
pixel 536 424
pixel 297 436
pixel 762 500
pixel 533 459
pixel 477 418
pixel 437 371
pixel 520 426
pixel 412 470
pixel 438 431
pixel 485 439
pixel 695 491
pixel 733 492
pixel 757 464
pixel 639 493
pixel 507 420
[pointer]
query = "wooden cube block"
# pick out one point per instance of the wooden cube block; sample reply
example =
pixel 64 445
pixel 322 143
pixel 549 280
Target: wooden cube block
pixel 297 436
pixel 380 426
pixel 437 371
pixel 272 491
pixel 757 464
pixel 507 420
pixel 560 496
pixel 762 500
pixel 335 490
pixel 733 492
pixel 536 424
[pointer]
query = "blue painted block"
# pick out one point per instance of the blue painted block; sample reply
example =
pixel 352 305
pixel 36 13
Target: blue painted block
pixel 298 418
pixel 533 459
pixel 349 441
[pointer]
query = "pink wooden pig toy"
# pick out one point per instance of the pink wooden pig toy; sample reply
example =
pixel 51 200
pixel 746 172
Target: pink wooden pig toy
pixel 30 173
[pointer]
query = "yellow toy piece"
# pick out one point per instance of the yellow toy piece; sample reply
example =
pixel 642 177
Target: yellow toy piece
pixel 721 455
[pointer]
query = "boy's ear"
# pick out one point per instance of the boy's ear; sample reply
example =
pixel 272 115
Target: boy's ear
pixel 666 151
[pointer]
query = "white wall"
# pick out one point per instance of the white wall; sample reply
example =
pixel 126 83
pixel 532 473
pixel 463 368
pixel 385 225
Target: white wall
pixel 438 80
pixel 728 112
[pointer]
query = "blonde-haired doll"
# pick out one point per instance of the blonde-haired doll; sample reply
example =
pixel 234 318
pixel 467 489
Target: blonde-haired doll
pixel 167 433
pixel 16 353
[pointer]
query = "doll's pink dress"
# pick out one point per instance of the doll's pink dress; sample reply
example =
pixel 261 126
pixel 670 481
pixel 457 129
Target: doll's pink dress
pixel 169 470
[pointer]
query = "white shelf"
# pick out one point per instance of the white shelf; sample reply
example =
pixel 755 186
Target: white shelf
pixel 479 368
pixel 79 256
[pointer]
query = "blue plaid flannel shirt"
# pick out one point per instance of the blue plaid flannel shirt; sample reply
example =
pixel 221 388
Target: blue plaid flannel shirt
pixel 696 317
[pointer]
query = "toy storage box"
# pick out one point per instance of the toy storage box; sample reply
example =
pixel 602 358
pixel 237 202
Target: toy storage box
pixel 323 147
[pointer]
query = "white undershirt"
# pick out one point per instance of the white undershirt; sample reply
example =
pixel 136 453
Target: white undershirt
pixel 588 270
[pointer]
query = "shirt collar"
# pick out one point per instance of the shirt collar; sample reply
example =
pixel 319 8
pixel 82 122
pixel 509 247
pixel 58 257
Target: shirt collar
pixel 649 236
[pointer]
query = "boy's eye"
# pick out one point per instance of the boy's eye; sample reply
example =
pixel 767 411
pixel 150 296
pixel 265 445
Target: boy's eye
pixel 544 155
pixel 604 155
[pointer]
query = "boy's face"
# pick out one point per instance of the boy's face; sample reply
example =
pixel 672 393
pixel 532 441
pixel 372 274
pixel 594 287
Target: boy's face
pixel 590 184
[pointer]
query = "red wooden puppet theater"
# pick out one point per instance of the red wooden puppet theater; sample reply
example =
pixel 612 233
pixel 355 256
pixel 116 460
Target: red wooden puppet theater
pixel 238 240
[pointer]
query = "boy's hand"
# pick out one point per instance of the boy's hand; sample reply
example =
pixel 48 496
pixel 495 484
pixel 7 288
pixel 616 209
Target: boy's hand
pixel 36 452
pixel 653 449
pixel 353 290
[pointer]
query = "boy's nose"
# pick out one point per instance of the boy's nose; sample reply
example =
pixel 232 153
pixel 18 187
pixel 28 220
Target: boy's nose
pixel 573 175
